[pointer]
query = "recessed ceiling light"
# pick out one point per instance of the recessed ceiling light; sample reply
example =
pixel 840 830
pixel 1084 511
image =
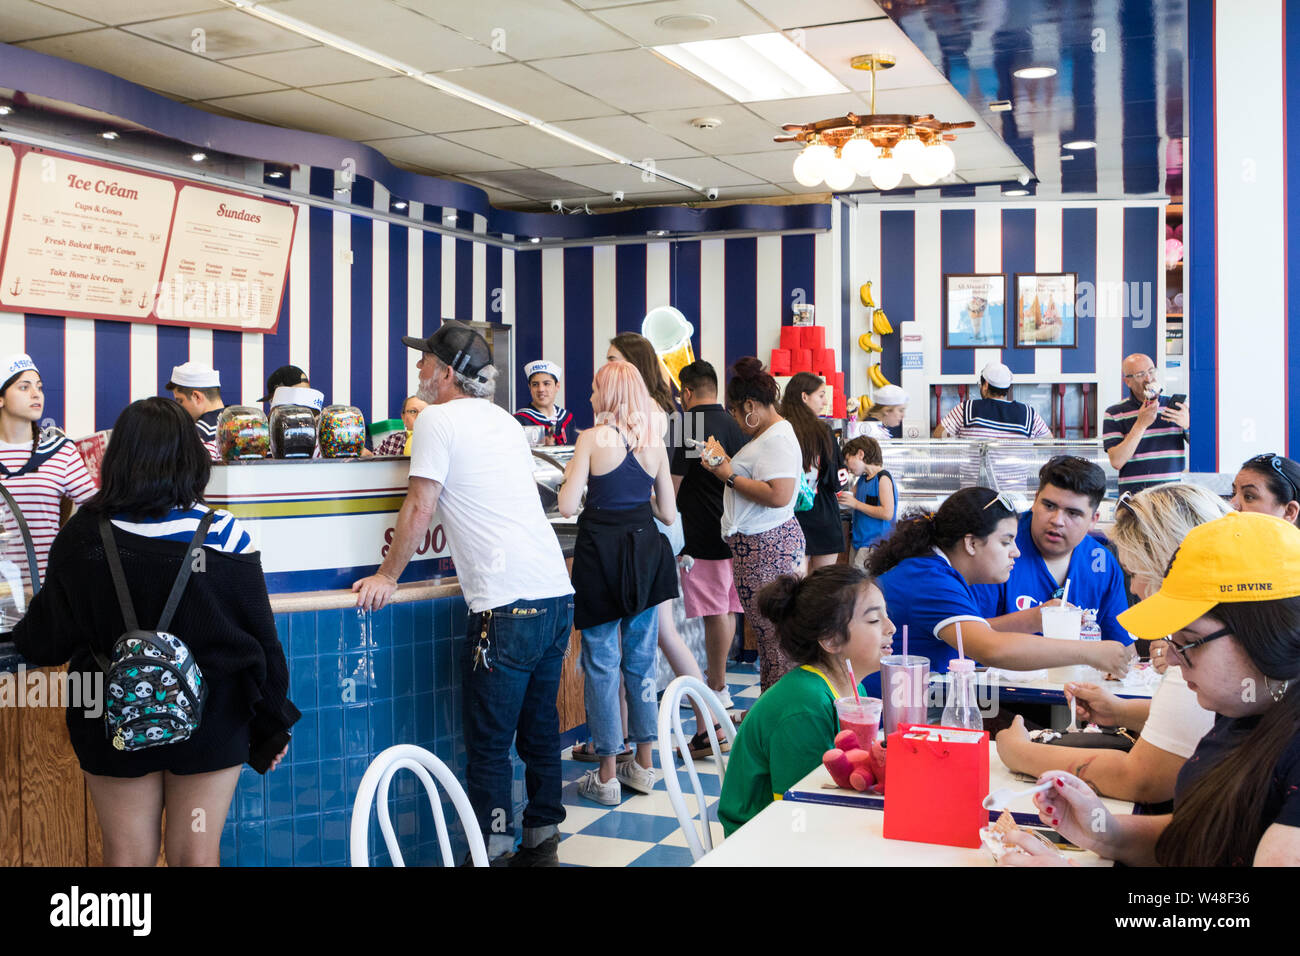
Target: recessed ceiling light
pixel 1080 144
pixel 1016 192
pixel 276 174
pixel 1000 106
pixel 764 66
pixel 198 157
pixel 400 204
pixel 450 217
pixel 534 239
pixel 1034 73
pixel 686 21
pixel 6 110
pixel 109 134
pixel 1066 157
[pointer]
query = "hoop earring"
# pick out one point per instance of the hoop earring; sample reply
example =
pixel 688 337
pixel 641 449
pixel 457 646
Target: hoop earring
pixel 1277 693
pixel 748 423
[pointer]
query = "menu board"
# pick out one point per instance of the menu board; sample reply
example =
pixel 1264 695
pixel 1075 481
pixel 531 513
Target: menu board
pixel 95 240
pixel 84 238
pixel 227 260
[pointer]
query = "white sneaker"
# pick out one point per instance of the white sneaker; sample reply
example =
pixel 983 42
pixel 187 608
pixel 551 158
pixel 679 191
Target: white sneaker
pixel 636 777
pixel 723 695
pixel 608 792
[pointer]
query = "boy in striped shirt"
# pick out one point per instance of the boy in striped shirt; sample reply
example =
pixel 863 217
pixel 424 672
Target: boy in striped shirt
pixel 1144 437
pixel 994 416
pixel 197 389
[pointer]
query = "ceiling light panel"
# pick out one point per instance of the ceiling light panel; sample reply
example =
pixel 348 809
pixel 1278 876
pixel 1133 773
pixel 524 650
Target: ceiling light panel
pixel 764 66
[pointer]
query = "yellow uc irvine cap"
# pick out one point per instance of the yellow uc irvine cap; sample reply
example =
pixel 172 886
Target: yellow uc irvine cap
pixel 1240 557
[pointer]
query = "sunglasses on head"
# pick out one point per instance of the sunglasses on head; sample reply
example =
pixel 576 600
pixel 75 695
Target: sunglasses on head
pixel 1003 499
pixel 1274 461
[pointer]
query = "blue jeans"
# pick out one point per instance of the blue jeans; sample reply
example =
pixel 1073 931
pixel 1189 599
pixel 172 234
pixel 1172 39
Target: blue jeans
pixel 602 658
pixel 516 699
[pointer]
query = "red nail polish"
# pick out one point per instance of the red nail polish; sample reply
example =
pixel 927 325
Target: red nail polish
pixel 1051 809
pixel 1060 782
pixel 1055 821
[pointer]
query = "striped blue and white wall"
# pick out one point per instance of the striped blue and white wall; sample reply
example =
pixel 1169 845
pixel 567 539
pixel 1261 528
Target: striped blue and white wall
pixel 905 250
pixel 342 321
pixel 1243 96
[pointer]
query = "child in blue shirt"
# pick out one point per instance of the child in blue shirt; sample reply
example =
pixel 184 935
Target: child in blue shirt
pixel 874 498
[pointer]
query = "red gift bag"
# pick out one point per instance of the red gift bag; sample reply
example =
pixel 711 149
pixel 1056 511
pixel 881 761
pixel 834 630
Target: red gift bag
pixel 791 337
pixel 841 406
pixel 800 360
pixel 813 336
pixel 823 361
pixel 780 364
pixel 938 778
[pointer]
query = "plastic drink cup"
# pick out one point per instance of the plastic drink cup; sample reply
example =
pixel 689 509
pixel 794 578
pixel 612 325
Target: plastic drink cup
pixel 860 715
pixel 1063 623
pixel 904 682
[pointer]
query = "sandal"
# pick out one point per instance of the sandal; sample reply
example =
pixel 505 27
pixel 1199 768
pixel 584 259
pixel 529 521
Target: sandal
pixel 585 753
pixel 700 746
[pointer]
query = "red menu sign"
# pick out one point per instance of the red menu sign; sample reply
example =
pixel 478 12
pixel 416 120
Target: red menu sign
pixel 90 239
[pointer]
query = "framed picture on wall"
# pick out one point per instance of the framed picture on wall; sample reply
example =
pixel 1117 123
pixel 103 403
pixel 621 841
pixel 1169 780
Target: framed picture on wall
pixel 974 311
pixel 1046 316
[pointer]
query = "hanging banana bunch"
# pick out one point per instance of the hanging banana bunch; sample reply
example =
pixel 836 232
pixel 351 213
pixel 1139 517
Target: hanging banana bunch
pixel 877 377
pixel 865 343
pixel 880 323
pixel 864 294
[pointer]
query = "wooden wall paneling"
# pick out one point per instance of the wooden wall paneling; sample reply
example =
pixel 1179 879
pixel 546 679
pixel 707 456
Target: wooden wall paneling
pixel 11 829
pixel 52 798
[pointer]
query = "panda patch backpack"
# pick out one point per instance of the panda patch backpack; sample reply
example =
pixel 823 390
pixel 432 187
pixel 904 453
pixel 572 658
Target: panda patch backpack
pixel 155 688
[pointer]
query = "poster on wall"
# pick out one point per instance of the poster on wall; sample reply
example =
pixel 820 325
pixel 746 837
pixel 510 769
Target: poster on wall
pixel 974 311
pixel 1045 310
pixel 227 260
pixel 85 239
pixel 6 181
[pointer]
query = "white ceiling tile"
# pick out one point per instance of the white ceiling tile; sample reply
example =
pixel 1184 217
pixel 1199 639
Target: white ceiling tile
pixel 976 150
pixel 411 103
pixel 528 29
pixel 226 33
pixel 133 11
pixel 606 178
pixel 530 91
pixel 941 99
pixel 708 171
pixel 152 64
pixel 989 174
pixel 628 136
pixel 393 31
pixel 599 4
pixel 808 109
pixel 732 19
pixel 774 166
pixel 807 13
pixel 309 66
pixel 534 183
pixel 433 152
pixel 296 109
pixel 741 131
pixel 636 81
pixel 25 20
pixel 522 144
pixel 834 46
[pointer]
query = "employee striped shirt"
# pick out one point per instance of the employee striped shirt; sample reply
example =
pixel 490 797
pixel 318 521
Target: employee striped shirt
pixel 224 534
pixel 62 475
pixel 985 419
pixel 1161 455
pixel 207 428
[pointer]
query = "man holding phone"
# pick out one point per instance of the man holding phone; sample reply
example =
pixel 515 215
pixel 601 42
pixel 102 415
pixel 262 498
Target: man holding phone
pixel 1145 435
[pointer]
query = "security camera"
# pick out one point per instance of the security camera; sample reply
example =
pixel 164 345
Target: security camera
pixel 1023 179
pixel 557 206
pixel 618 195
pixel 712 193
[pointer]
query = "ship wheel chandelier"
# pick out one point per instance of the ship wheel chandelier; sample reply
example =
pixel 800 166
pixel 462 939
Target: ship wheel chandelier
pixel 881 146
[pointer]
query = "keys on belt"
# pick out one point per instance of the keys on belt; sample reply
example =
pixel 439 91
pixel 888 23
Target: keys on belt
pixel 484 645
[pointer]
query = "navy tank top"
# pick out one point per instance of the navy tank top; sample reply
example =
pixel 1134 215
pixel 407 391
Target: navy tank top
pixel 627 486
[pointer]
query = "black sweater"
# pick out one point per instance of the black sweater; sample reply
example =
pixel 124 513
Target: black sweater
pixel 224 616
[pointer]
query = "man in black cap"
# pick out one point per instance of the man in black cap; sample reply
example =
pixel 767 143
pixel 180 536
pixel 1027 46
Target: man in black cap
pixel 286 376
pixel 471 460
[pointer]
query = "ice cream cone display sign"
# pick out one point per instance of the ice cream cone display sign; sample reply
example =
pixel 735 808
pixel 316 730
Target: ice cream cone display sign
pixel 670 334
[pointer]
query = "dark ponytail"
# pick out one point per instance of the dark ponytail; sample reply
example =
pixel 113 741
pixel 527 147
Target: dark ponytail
pixel 814 436
pixel 1220 820
pixel 973 511
pixel 808 610
pixel 750 381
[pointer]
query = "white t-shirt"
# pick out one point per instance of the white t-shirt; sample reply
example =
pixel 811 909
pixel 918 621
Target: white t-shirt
pixel 504 548
pixel 773 454
pixel 1176 722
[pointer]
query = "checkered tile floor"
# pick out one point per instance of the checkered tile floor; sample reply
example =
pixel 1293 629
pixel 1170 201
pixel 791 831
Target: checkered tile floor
pixel 643 830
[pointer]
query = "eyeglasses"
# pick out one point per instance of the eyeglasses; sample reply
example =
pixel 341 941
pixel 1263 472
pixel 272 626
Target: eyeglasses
pixel 1274 461
pixel 1183 651
pixel 1123 502
pixel 1147 375
pixel 1003 499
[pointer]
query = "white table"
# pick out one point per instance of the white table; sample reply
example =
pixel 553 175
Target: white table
pixel 811 790
pixel 787 833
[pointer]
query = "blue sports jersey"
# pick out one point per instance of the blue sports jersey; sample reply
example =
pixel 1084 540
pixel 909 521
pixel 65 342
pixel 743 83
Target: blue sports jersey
pixel 927 595
pixel 1096 582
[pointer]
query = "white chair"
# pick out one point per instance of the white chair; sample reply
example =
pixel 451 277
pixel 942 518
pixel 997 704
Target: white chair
pixel 423 763
pixel 671 736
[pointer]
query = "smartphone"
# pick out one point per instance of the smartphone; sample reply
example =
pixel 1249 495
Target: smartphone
pixel 1177 400
pixel 261 756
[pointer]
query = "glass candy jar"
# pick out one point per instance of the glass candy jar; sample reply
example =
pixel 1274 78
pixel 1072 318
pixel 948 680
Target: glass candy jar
pixel 293 431
pixel 242 432
pixel 341 432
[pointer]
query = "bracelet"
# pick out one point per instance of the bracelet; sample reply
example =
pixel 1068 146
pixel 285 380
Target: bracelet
pixel 388 577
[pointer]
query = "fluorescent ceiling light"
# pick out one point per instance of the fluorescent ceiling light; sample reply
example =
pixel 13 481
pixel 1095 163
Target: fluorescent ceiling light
pixel 765 66
pixel 1080 144
pixel 198 157
pixel 1035 73
pixel 1016 192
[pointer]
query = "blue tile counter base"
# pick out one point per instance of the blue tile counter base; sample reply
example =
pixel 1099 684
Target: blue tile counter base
pixel 362 686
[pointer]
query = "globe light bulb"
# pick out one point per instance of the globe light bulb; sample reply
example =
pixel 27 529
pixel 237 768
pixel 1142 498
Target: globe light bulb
pixel 807 168
pixel 886 171
pixel 839 175
pixel 939 159
pixel 922 174
pixel 908 151
pixel 860 153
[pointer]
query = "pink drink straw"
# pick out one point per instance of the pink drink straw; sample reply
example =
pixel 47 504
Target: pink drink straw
pixel 853 680
pixel 960 653
pixel 904 640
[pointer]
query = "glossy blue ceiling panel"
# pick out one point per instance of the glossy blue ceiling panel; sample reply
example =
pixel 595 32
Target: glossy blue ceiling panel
pixel 1120 82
